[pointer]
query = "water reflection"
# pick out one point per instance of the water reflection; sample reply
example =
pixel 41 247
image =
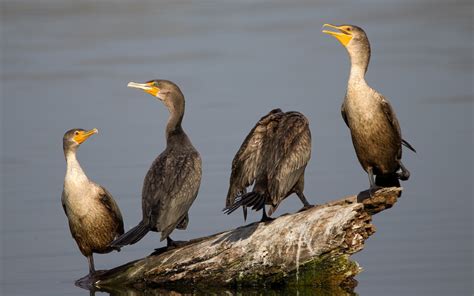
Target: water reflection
pixel 275 291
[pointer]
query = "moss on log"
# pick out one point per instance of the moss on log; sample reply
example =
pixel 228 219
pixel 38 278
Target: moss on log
pixel 309 248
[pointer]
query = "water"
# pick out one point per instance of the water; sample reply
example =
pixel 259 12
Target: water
pixel 66 64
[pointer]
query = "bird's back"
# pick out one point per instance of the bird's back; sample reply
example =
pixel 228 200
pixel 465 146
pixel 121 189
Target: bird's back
pixel 289 150
pixel 273 156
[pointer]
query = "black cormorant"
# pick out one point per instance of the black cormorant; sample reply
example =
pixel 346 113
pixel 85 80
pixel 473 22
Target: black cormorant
pixel 368 114
pixel 94 217
pixel 173 180
pixel 273 158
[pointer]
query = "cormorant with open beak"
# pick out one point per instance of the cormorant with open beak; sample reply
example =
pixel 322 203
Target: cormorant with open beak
pixel 373 124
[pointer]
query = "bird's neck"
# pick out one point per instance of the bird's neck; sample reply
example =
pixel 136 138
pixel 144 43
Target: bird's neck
pixel 74 172
pixel 359 63
pixel 174 128
pixel 357 74
pixel 359 67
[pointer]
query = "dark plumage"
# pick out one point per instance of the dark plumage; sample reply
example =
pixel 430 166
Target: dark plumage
pixel 373 124
pixel 94 217
pixel 173 180
pixel 273 158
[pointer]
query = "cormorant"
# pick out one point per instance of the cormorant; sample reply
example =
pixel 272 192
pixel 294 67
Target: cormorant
pixel 273 158
pixel 373 124
pixel 173 180
pixel 94 217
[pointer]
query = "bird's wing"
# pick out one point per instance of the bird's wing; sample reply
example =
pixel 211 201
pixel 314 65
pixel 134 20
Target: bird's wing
pixel 343 113
pixel 392 118
pixel 390 115
pixel 171 186
pixel 289 153
pixel 109 203
pixel 248 159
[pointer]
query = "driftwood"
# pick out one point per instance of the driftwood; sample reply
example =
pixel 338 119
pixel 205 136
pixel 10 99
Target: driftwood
pixel 309 248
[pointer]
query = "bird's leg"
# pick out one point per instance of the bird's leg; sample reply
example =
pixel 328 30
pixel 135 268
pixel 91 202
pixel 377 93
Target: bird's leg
pixel 90 258
pixel 169 241
pixel 373 187
pixel 306 204
pixel 170 244
pixel 404 174
pixel 265 218
pixel 371 177
pixel 244 208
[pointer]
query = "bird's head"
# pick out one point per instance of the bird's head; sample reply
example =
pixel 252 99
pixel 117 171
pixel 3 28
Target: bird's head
pixel 165 90
pixel 348 35
pixel 353 38
pixel 75 137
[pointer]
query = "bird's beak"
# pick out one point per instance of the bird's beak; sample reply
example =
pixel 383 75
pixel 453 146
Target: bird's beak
pixel 82 136
pixel 146 87
pixel 343 36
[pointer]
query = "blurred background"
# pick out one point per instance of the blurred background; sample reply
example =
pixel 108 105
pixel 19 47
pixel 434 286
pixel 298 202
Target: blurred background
pixel 66 64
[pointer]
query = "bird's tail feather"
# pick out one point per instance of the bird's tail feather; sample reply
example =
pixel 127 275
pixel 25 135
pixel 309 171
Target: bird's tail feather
pixel 408 145
pixel 252 199
pixel 132 236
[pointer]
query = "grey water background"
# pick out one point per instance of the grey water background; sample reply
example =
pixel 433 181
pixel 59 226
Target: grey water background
pixel 65 64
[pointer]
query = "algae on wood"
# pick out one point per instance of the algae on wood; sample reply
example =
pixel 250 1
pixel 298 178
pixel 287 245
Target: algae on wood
pixel 306 248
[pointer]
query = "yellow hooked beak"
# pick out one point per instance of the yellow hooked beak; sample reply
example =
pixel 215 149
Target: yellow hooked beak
pixel 148 87
pixel 81 136
pixel 344 36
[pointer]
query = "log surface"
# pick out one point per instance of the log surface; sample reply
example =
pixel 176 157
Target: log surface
pixel 305 248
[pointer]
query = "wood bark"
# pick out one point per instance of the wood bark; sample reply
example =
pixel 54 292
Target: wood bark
pixel 305 248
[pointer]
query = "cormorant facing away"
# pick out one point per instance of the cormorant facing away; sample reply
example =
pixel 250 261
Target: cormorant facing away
pixel 368 114
pixel 94 217
pixel 173 180
pixel 273 158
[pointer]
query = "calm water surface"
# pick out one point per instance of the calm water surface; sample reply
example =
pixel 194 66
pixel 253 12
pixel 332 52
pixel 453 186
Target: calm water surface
pixel 66 64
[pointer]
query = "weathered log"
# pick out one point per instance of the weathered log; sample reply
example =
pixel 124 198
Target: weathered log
pixel 309 248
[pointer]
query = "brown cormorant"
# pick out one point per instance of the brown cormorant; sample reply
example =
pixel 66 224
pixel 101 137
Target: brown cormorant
pixel 370 117
pixel 273 158
pixel 94 217
pixel 173 180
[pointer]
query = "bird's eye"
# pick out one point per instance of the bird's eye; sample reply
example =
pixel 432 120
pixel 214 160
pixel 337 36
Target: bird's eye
pixel 348 28
pixel 76 133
